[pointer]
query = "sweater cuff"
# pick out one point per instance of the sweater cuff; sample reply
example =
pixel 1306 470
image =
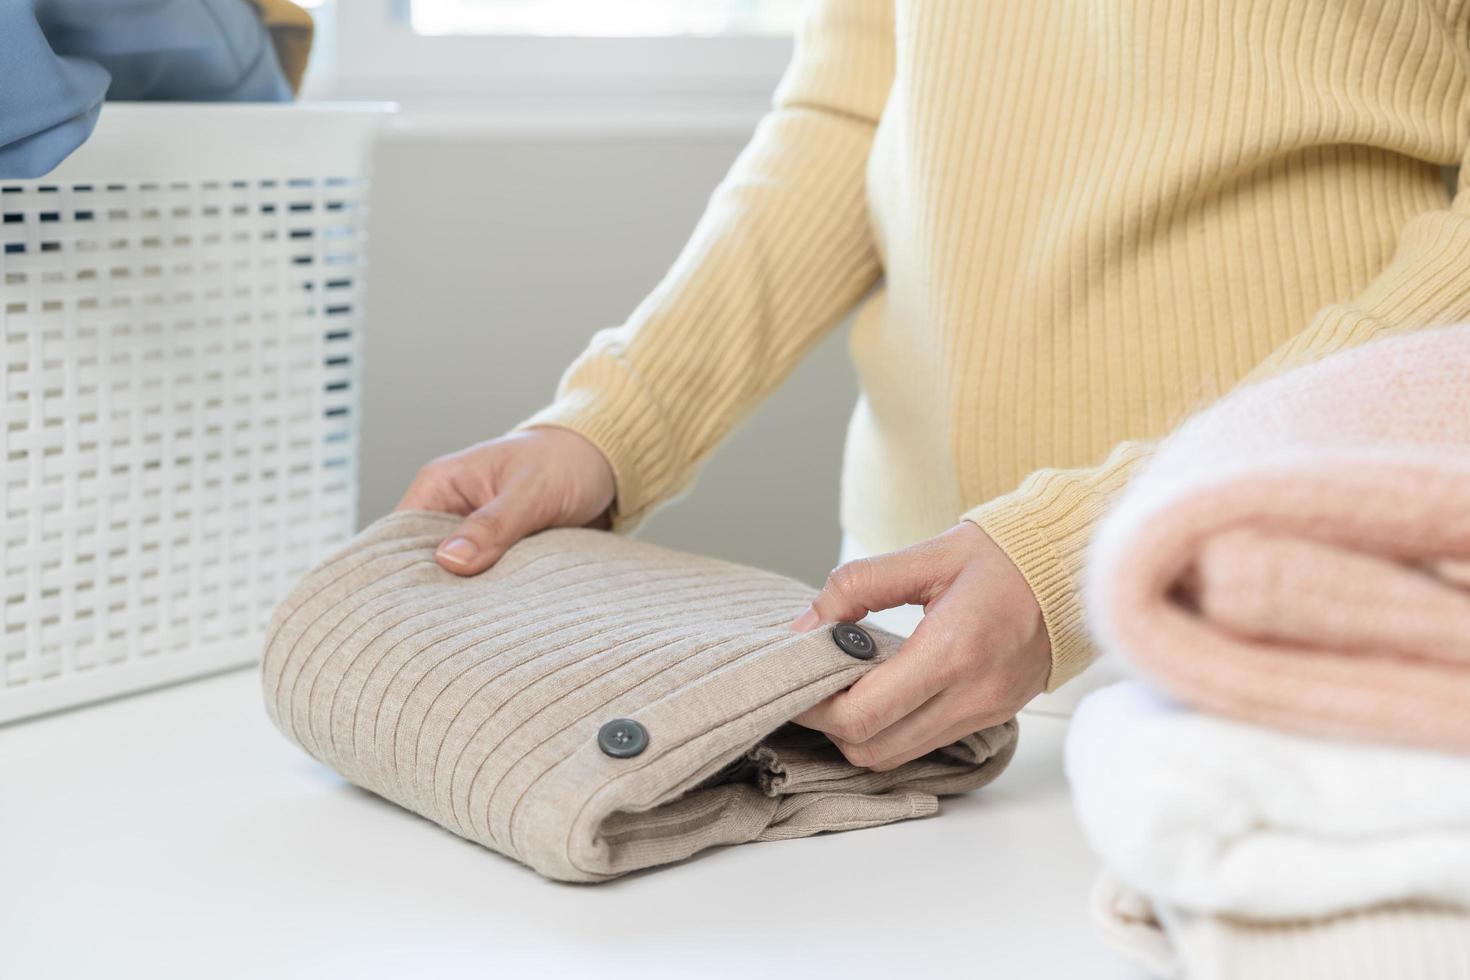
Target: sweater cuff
pixel 1044 527
pixel 617 418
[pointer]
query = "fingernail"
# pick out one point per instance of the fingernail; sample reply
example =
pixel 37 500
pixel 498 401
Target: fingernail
pixel 459 551
pixel 807 620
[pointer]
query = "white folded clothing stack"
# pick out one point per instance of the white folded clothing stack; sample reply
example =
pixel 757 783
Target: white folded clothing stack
pixel 1236 852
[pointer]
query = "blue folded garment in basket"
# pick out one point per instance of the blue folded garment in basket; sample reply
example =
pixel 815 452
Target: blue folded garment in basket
pixel 59 59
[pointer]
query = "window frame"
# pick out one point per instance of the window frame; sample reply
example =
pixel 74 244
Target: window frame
pixel 374 48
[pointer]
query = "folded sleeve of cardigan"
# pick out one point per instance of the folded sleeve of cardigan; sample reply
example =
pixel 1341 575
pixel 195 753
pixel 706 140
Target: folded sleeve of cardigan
pixel 59 59
pixel 590 705
pixel 1045 524
pixel 783 249
pixel 48 103
pixel 292 32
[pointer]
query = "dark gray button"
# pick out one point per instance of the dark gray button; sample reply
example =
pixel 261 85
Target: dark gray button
pixel 622 738
pixel 854 641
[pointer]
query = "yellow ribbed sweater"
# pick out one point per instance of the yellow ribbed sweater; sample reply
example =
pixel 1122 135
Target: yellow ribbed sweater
pixel 1088 219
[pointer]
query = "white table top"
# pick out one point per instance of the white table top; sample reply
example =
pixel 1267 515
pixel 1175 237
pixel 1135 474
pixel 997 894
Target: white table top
pixel 176 834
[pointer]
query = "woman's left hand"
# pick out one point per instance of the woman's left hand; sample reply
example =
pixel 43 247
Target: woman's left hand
pixel 979 654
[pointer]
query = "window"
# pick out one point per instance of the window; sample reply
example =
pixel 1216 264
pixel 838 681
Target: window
pixel 604 18
pixel 582 55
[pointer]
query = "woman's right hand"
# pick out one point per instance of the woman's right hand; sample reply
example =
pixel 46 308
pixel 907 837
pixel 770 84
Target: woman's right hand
pixel 509 487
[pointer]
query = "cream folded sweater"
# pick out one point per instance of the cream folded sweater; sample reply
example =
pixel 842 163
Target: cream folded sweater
pixel 1083 221
pixel 590 705
pixel 1403 941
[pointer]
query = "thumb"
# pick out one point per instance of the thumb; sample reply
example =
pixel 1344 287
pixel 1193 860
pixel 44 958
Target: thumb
pixel 486 534
pixel 867 585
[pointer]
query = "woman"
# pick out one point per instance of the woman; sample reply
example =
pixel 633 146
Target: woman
pixel 1089 219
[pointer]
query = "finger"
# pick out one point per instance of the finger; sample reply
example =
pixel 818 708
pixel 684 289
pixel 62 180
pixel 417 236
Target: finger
pixel 421 494
pixel 486 533
pixel 433 489
pixel 887 693
pixel 925 740
pixel 867 585
pixel 928 721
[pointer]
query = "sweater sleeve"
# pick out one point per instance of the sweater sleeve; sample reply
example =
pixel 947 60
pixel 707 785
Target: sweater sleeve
pixel 1045 524
pixel 782 251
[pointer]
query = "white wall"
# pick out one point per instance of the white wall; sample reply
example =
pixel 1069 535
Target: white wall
pixel 497 249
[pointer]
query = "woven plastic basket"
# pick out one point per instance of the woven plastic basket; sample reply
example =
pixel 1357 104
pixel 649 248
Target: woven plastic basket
pixel 179 305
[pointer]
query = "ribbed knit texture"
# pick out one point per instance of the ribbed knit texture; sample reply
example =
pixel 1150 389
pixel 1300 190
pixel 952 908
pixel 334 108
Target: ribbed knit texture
pixel 476 702
pixel 1089 219
pixel 1390 942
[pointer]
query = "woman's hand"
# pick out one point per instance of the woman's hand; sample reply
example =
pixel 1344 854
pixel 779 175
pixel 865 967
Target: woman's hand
pixel 510 487
pixel 979 654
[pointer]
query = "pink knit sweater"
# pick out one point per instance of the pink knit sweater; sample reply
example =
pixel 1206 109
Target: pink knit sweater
pixel 1299 554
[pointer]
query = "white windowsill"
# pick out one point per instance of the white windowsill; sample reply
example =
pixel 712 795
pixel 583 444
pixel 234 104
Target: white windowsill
pixel 543 86
pixel 539 87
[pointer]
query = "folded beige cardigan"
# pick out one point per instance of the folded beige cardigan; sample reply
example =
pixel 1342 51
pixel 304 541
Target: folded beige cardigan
pixel 1388 942
pixel 589 706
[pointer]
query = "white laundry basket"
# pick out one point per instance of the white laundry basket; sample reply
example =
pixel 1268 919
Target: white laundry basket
pixel 180 306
